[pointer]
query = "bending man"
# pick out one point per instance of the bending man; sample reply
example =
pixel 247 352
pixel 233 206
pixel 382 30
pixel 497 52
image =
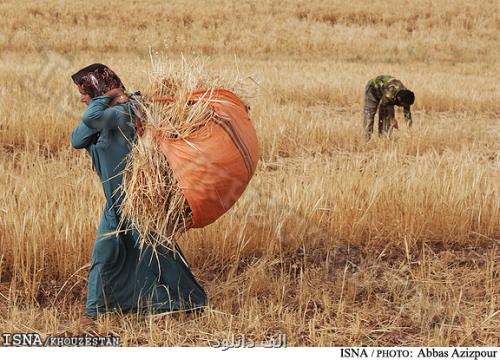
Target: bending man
pixel 384 92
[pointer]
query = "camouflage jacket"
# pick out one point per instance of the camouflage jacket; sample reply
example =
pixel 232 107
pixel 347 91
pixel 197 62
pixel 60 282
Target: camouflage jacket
pixel 386 87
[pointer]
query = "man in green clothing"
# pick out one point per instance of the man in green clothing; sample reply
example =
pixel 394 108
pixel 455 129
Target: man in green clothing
pixel 384 92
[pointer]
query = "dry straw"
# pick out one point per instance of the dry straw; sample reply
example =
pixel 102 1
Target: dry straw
pixel 153 200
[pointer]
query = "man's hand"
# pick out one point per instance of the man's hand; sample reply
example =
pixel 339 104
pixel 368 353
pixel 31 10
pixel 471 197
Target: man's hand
pixel 117 96
pixel 394 123
pixel 113 93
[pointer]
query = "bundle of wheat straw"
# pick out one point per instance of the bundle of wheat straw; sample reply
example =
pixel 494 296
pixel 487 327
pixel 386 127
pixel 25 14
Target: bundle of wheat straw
pixel 153 201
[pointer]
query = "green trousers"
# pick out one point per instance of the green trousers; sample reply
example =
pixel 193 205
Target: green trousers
pixel 385 113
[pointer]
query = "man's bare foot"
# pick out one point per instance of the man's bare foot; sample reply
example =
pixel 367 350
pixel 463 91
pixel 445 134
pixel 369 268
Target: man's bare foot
pixel 87 321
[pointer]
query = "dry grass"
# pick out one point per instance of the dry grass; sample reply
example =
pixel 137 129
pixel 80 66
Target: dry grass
pixel 335 241
pixel 153 200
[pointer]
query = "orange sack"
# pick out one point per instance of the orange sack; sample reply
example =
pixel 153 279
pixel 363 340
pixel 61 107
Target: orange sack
pixel 214 165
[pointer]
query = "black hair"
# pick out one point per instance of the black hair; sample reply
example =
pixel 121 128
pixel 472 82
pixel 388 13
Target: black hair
pixel 406 97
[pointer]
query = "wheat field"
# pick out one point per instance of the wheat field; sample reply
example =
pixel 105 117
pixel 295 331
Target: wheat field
pixel 336 241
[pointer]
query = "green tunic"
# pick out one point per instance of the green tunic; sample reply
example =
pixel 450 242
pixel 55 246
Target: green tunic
pixel 122 278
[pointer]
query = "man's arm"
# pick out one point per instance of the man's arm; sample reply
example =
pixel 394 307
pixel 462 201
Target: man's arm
pixel 82 136
pixel 407 114
pixel 99 115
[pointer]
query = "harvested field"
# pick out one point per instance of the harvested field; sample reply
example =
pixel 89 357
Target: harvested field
pixel 336 241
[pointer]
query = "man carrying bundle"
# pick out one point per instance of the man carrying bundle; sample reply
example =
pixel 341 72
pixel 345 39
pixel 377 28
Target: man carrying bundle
pixel 384 92
pixel 124 276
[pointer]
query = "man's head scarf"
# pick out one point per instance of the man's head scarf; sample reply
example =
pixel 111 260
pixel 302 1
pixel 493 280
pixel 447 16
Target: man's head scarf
pixel 97 79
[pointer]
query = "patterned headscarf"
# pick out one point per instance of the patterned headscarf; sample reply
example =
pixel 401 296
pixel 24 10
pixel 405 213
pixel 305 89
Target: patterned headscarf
pixel 97 79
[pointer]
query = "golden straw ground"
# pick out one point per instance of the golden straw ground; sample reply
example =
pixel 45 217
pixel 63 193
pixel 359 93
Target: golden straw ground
pixel 335 242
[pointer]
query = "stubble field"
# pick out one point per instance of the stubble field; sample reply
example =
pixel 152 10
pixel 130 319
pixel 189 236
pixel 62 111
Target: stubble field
pixel 336 241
